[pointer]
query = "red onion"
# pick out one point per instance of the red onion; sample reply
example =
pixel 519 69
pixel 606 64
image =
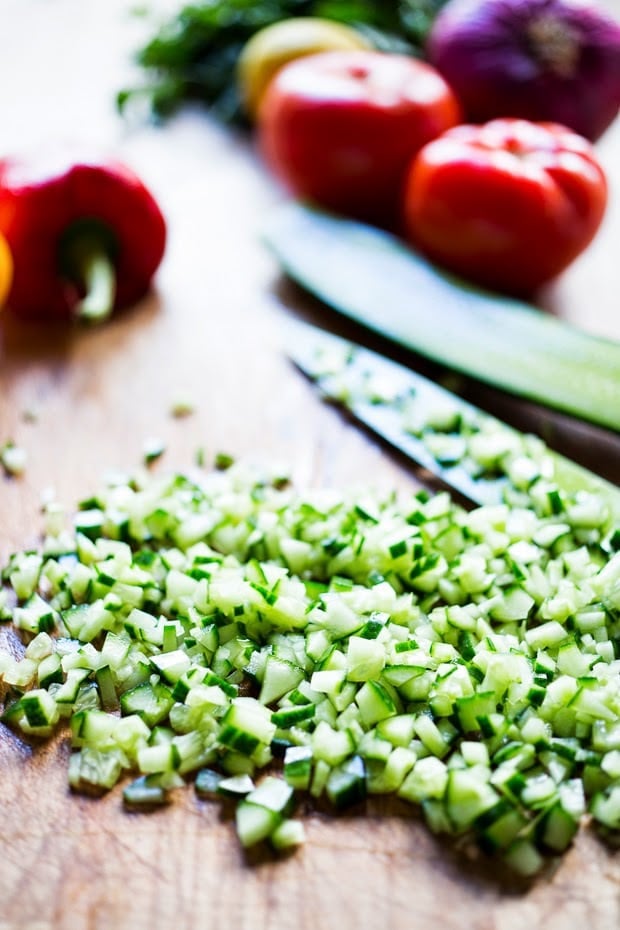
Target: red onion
pixel 556 60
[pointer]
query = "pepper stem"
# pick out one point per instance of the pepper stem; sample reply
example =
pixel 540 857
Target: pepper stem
pixel 98 276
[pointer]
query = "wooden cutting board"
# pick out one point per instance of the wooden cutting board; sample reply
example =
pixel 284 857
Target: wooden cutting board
pixel 216 328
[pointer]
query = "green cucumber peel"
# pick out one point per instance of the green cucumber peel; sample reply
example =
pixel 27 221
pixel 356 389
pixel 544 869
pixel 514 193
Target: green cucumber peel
pixel 373 278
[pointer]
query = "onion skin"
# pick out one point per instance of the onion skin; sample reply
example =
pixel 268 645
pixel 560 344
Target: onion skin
pixel 542 60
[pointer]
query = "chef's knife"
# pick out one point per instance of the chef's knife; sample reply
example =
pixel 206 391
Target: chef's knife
pixel 397 404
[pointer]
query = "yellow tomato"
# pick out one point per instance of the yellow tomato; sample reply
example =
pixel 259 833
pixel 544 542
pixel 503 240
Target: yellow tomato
pixel 6 270
pixel 274 46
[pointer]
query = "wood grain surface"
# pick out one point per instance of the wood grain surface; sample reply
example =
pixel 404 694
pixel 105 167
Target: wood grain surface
pixel 216 327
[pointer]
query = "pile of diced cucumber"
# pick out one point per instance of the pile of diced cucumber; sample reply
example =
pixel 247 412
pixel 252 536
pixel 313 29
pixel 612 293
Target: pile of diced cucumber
pixel 260 642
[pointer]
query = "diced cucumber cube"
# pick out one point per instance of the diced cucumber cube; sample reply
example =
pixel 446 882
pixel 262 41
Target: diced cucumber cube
pixel 255 823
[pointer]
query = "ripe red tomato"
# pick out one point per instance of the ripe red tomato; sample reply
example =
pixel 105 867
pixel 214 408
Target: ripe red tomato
pixel 340 128
pixel 509 204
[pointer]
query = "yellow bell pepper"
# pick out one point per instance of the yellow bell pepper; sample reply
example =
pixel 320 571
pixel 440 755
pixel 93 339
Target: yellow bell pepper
pixel 6 270
pixel 271 48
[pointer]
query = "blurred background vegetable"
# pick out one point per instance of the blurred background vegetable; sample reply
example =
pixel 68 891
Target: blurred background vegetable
pixel 539 60
pixel 194 55
pixel 274 46
pixel 544 60
pixel 341 128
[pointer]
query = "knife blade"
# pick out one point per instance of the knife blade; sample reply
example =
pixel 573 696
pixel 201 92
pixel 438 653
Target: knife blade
pixel 416 416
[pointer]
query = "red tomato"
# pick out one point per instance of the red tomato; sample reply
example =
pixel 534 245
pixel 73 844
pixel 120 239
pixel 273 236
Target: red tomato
pixel 340 128
pixel 509 204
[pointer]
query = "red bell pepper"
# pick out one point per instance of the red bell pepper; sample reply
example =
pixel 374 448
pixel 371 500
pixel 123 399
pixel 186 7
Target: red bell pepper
pixel 86 235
